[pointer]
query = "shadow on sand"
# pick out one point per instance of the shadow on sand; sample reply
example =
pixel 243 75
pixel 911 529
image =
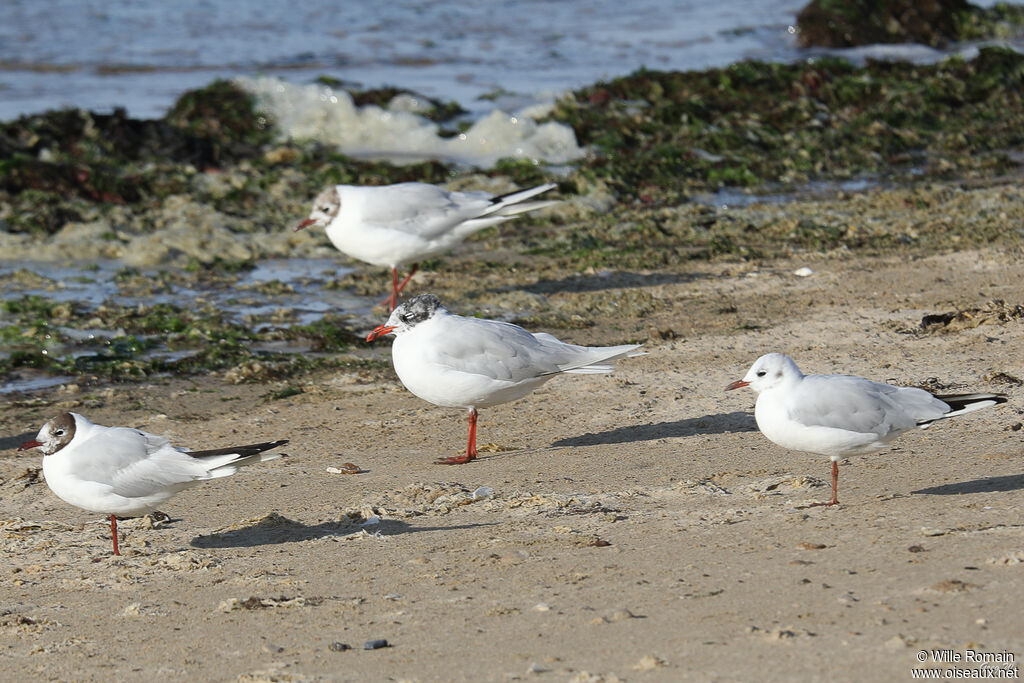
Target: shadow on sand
pixel 9 443
pixel 274 529
pixel 1010 482
pixel 722 423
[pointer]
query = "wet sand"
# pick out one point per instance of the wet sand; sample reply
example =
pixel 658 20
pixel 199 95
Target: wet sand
pixel 640 527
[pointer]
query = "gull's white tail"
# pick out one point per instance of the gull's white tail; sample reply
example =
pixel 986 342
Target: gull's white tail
pixel 515 202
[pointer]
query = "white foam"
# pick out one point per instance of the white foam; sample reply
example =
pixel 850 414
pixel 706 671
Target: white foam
pixel 400 135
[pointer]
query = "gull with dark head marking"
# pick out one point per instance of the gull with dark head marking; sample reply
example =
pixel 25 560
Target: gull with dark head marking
pixel 471 363
pixel 392 225
pixel 841 415
pixel 124 472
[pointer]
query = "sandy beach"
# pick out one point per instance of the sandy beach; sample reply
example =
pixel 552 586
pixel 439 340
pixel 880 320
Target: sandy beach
pixel 637 527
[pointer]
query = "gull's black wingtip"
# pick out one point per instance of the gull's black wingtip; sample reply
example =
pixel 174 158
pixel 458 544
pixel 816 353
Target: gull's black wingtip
pixel 240 451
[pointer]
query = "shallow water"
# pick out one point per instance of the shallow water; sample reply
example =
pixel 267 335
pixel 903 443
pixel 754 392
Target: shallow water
pixel 306 281
pixel 142 54
pixel 276 293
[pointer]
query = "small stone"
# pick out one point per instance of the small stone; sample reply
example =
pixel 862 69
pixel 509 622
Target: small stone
pixel 897 642
pixel 620 615
pixel 803 272
pixel 811 546
pixel 649 663
pixel 916 549
pixel 483 492
pixel 952 586
pixel 542 607
pixel 337 646
pixel 375 644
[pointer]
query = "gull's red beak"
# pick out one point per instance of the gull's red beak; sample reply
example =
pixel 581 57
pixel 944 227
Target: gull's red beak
pixel 737 384
pixel 304 224
pixel 29 444
pixel 380 331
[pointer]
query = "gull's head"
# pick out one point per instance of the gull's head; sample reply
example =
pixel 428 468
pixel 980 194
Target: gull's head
pixel 325 208
pixel 770 371
pixel 407 316
pixel 55 435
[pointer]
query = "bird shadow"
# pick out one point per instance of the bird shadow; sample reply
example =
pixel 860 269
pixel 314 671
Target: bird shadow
pixel 9 443
pixel 1010 482
pixel 602 281
pixel 274 529
pixel 721 423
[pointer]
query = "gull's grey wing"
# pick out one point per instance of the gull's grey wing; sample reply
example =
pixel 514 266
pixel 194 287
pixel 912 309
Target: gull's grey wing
pixel 133 462
pixel 416 208
pixel 494 349
pixel 859 405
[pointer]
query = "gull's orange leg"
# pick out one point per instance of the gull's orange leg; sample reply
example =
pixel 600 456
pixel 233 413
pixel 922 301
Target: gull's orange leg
pixel 113 533
pixel 835 487
pixel 397 287
pixel 471 452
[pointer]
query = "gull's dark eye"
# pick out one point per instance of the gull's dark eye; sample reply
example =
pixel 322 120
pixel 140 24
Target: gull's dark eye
pixel 59 432
pixel 405 317
pixel 761 373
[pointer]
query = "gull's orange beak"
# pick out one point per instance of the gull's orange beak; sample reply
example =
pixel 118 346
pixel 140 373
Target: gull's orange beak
pixel 380 331
pixel 304 224
pixel 29 444
pixel 737 384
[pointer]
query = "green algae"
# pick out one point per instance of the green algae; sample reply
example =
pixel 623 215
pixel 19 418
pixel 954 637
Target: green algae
pixel 153 340
pixel 663 135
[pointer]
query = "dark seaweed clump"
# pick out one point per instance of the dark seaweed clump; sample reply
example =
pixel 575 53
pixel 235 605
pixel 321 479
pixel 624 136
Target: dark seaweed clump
pixel 659 137
pixel 664 134
pixel 61 166
pixel 848 23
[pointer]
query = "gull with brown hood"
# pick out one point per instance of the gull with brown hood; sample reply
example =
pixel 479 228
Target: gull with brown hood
pixel 125 472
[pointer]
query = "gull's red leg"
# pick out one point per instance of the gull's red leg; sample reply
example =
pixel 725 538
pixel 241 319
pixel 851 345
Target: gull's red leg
pixel 835 487
pixel 471 452
pixel 397 287
pixel 113 533
pixel 403 283
pixel 392 299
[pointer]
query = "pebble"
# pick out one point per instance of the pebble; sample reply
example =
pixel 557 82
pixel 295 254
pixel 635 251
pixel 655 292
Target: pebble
pixel 337 646
pixel 620 615
pixel 375 644
pixel 483 492
pixel 649 663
